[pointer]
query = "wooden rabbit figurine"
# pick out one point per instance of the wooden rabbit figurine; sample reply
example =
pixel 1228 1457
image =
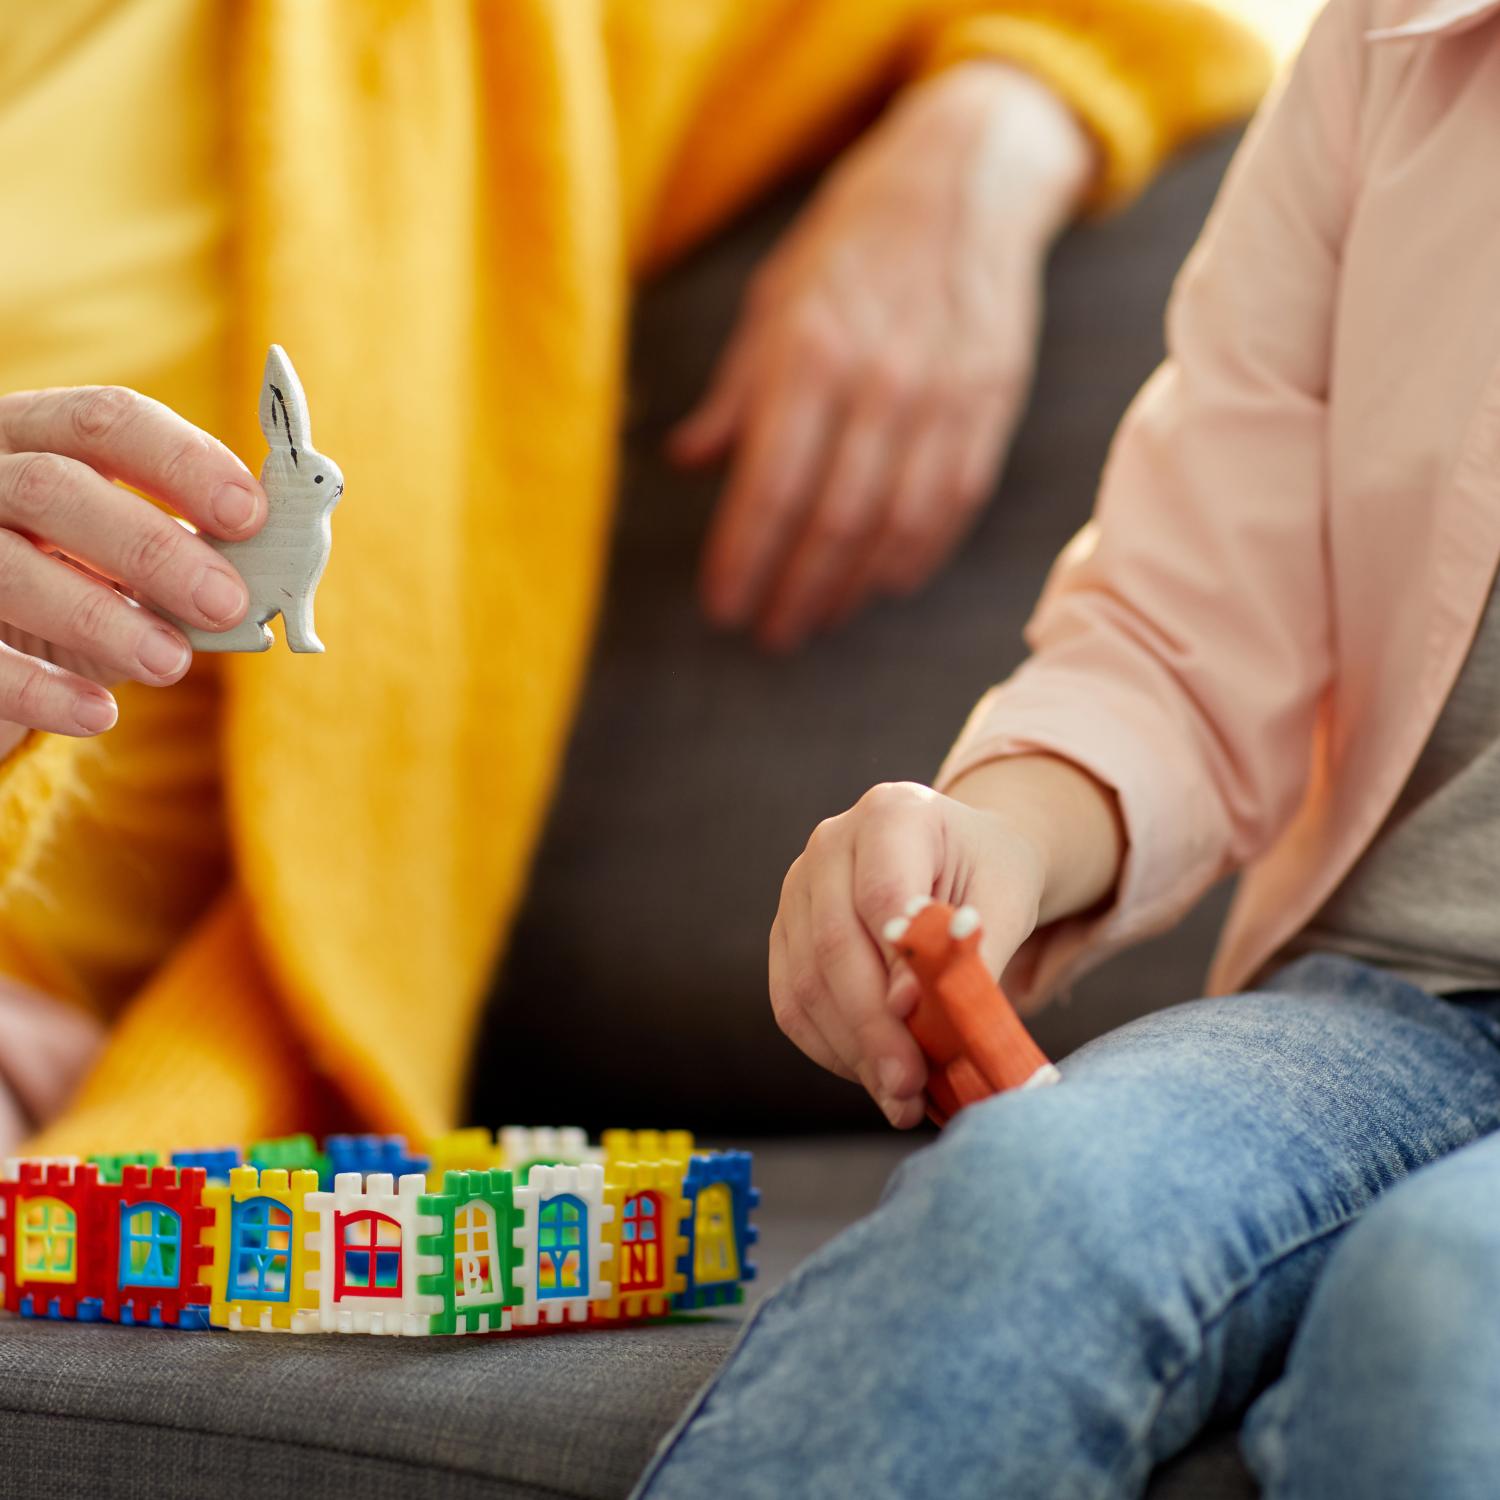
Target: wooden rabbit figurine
pixel 282 563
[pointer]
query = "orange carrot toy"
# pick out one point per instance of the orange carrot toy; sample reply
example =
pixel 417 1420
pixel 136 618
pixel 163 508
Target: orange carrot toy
pixel 974 1042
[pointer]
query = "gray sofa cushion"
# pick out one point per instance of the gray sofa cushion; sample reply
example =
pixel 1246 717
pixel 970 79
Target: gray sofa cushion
pixel 102 1412
pixel 698 766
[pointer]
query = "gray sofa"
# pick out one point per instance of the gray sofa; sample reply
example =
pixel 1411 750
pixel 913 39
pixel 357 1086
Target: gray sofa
pixel 634 991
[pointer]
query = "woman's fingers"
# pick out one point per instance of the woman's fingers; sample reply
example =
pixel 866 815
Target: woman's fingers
pixel 38 695
pixel 778 460
pixel 44 597
pixel 124 435
pixel 707 431
pixel 916 469
pixel 964 469
pixel 70 506
pixel 834 535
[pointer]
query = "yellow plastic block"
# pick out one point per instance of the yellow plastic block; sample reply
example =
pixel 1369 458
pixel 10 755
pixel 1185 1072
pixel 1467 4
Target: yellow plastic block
pixel 646 1145
pixel 655 1250
pixel 470 1150
pixel 276 1252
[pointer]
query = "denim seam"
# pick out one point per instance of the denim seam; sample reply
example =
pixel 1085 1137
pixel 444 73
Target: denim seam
pixel 1206 1327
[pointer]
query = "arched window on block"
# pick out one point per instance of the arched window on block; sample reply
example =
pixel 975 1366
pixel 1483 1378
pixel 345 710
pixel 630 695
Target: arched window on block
pixel 476 1254
pixel 716 1257
pixel 641 1243
pixel 369 1255
pixel 49 1241
pixel 260 1258
pixel 562 1248
pixel 150 1244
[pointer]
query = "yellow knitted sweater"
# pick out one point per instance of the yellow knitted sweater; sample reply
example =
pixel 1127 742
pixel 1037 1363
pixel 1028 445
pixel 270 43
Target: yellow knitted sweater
pixel 284 881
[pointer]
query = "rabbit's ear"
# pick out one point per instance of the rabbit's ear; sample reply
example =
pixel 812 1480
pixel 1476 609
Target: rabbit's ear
pixel 283 407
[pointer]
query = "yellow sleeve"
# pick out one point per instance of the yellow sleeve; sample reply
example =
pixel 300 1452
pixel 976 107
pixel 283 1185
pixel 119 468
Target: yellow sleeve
pixel 36 780
pixel 1143 75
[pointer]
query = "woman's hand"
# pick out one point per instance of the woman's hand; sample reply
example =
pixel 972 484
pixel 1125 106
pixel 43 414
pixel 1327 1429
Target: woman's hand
pixel 884 354
pixel 1025 841
pixel 77 552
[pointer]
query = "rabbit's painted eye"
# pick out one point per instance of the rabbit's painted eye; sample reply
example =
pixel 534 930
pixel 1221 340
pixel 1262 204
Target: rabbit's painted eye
pixel 317 479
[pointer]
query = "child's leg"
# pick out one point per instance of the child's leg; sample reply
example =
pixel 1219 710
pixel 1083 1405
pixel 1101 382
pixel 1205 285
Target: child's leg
pixel 1062 1291
pixel 1393 1384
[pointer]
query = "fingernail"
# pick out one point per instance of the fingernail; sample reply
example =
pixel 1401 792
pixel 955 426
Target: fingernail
pixel 233 506
pixel 890 1072
pixel 218 594
pixel 95 712
pixel 163 654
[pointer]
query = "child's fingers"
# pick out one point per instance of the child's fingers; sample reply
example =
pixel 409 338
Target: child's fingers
pixel 81 513
pixel 125 435
pixel 47 598
pixel 41 696
pixel 790 994
pixel 853 1016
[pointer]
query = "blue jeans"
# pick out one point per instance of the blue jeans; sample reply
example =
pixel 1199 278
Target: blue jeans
pixel 1294 1189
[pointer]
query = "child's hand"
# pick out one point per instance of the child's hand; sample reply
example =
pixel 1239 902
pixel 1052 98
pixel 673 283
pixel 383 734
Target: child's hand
pixel 832 985
pixel 65 633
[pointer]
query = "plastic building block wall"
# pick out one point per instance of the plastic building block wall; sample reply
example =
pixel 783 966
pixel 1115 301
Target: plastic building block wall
pixel 565 1232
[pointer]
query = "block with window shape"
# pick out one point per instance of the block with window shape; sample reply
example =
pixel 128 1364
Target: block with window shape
pixel 474 1243
pixel 260 1253
pixel 640 1235
pixel 262 1273
pixel 374 1276
pixel 150 1245
pixel 153 1221
pixel 49 1241
pixel 49 1253
pixel 564 1211
pixel 646 1232
pixel 369 1254
pixel 563 1256
pixel 718 1188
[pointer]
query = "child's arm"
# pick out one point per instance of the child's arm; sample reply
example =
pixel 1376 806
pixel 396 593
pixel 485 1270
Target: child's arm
pixel 1183 645
pixel 1164 724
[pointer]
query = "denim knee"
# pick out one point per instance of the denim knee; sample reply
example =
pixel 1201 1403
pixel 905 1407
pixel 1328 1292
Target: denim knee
pixel 1393 1382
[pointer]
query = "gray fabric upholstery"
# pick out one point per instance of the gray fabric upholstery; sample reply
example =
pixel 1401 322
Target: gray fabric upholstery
pixel 96 1413
pixel 699 766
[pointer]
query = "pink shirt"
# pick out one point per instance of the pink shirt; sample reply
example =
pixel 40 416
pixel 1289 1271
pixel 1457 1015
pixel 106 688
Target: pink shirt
pixel 1299 523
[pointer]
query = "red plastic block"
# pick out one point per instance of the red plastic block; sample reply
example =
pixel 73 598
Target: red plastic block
pixel 178 1192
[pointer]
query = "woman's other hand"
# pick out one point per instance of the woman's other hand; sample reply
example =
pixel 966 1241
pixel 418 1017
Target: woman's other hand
pixel 80 556
pixel 884 354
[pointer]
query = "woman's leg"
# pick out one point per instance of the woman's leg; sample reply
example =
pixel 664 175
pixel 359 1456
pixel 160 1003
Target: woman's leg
pixel 1073 1281
pixel 1392 1387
